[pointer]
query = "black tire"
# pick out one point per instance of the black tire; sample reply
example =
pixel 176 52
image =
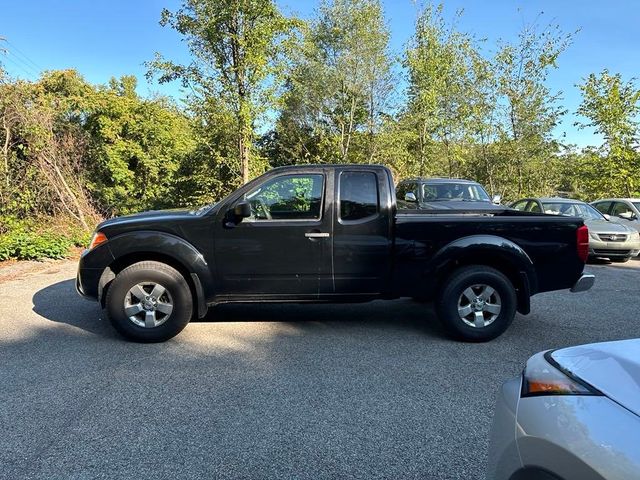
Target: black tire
pixel 450 295
pixel 149 272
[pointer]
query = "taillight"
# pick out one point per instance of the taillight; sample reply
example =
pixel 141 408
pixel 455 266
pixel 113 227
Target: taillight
pixel 582 241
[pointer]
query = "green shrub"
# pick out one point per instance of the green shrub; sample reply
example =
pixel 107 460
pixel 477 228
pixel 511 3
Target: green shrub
pixel 78 236
pixel 24 245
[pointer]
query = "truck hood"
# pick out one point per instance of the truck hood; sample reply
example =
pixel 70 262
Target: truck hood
pixel 604 226
pixel 149 217
pixel 611 367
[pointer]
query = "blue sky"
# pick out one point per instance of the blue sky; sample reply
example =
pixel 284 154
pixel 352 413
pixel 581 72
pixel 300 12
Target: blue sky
pixel 103 38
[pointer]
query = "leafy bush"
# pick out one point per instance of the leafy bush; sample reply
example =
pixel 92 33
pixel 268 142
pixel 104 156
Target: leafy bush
pixel 37 239
pixel 24 245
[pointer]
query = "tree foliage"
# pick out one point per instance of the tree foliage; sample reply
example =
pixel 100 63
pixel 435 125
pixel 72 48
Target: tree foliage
pixel 338 87
pixel 235 46
pixel 611 106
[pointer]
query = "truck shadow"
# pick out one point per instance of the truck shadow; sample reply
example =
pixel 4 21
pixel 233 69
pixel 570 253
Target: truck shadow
pixel 60 303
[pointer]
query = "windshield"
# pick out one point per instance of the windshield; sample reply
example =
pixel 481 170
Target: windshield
pixel 581 210
pixel 636 204
pixel 203 209
pixel 469 192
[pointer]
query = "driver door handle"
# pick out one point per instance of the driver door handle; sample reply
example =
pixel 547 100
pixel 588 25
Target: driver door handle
pixel 317 235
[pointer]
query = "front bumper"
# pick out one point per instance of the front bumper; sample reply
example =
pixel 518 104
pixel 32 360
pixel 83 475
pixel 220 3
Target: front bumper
pixel 584 283
pixel 90 268
pixel 626 249
pixel 570 436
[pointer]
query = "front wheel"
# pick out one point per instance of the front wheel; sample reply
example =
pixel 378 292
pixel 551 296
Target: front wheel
pixel 149 302
pixel 477 303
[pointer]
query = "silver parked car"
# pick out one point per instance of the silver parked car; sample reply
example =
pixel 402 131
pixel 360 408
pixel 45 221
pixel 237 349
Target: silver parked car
pixel 624 210
pixel 573 414
pixel 607 239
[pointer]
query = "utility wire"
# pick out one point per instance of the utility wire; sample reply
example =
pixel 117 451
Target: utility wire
pixel 19 52
pixel 12 60
pixel 19 60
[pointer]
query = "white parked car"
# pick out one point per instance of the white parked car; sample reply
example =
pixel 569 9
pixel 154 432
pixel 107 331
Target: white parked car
pixel 574 413
pixel 607 239
pixel 623 210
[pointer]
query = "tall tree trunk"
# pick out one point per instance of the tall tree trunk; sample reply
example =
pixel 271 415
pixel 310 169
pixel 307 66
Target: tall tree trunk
pixel 5 150
pixel 350 130
pixel 243 146
pixel 237 31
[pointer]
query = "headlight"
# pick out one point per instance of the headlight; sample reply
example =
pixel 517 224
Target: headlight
pixel 98 239
pixel 544 376
pixel 635 235
pixel 594 235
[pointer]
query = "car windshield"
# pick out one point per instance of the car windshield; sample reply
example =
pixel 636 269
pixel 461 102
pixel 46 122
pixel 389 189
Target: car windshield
pixel 572 210
pixel 203 209
pixel 636 204
pixel 469 192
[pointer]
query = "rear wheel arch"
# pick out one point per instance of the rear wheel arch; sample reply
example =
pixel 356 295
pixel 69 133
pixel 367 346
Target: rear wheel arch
pixel 506 266
pixel 490 251
pixel 472 294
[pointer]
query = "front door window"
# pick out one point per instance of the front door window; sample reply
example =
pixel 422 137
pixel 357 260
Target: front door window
pixel 289 197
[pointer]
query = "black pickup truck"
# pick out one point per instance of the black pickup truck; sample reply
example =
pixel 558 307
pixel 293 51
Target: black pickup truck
pixel 328 233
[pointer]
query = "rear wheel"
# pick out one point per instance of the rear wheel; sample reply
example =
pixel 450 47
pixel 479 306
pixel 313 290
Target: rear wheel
pixel 149 302
pixel 477 303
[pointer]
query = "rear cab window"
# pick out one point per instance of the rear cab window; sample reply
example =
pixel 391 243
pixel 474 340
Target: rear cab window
pixel 358 196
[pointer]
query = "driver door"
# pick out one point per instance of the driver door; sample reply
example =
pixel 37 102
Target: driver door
pixel 283 248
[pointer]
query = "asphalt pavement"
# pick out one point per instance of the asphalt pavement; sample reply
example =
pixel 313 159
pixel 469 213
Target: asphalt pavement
pixel 269 391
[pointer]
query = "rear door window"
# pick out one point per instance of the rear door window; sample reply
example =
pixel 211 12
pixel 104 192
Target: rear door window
pixel 603 207
pixel 521 205
pixel 534 207
pixel 358 196
pixel 621 209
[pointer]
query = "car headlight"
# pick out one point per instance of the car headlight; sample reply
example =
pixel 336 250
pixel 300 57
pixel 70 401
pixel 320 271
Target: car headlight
pixel 544 376
pixel 635 236
pixel 98 239
pixel 594 235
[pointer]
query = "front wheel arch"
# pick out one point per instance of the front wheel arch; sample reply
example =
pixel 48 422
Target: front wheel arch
pixel 192 279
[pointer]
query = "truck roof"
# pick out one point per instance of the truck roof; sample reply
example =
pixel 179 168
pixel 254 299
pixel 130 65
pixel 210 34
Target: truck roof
pixel 438 180
pixel 357 166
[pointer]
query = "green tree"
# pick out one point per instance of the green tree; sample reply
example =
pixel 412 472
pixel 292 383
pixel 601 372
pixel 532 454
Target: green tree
pixel 44 147
pixel 438 62
pixel 235 45
pixel 339 87
pixel 611 106
pixel 530 111
pixel 137 146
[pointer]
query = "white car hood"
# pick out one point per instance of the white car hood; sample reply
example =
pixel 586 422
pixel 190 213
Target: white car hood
pixel 611 367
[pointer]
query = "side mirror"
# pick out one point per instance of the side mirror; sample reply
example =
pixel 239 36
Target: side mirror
pixel 242 209
pixel 496 199
pixel 607 216
pixel 410 197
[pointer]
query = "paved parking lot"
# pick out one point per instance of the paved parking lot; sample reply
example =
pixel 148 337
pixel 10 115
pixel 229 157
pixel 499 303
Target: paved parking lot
pixel 268 391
